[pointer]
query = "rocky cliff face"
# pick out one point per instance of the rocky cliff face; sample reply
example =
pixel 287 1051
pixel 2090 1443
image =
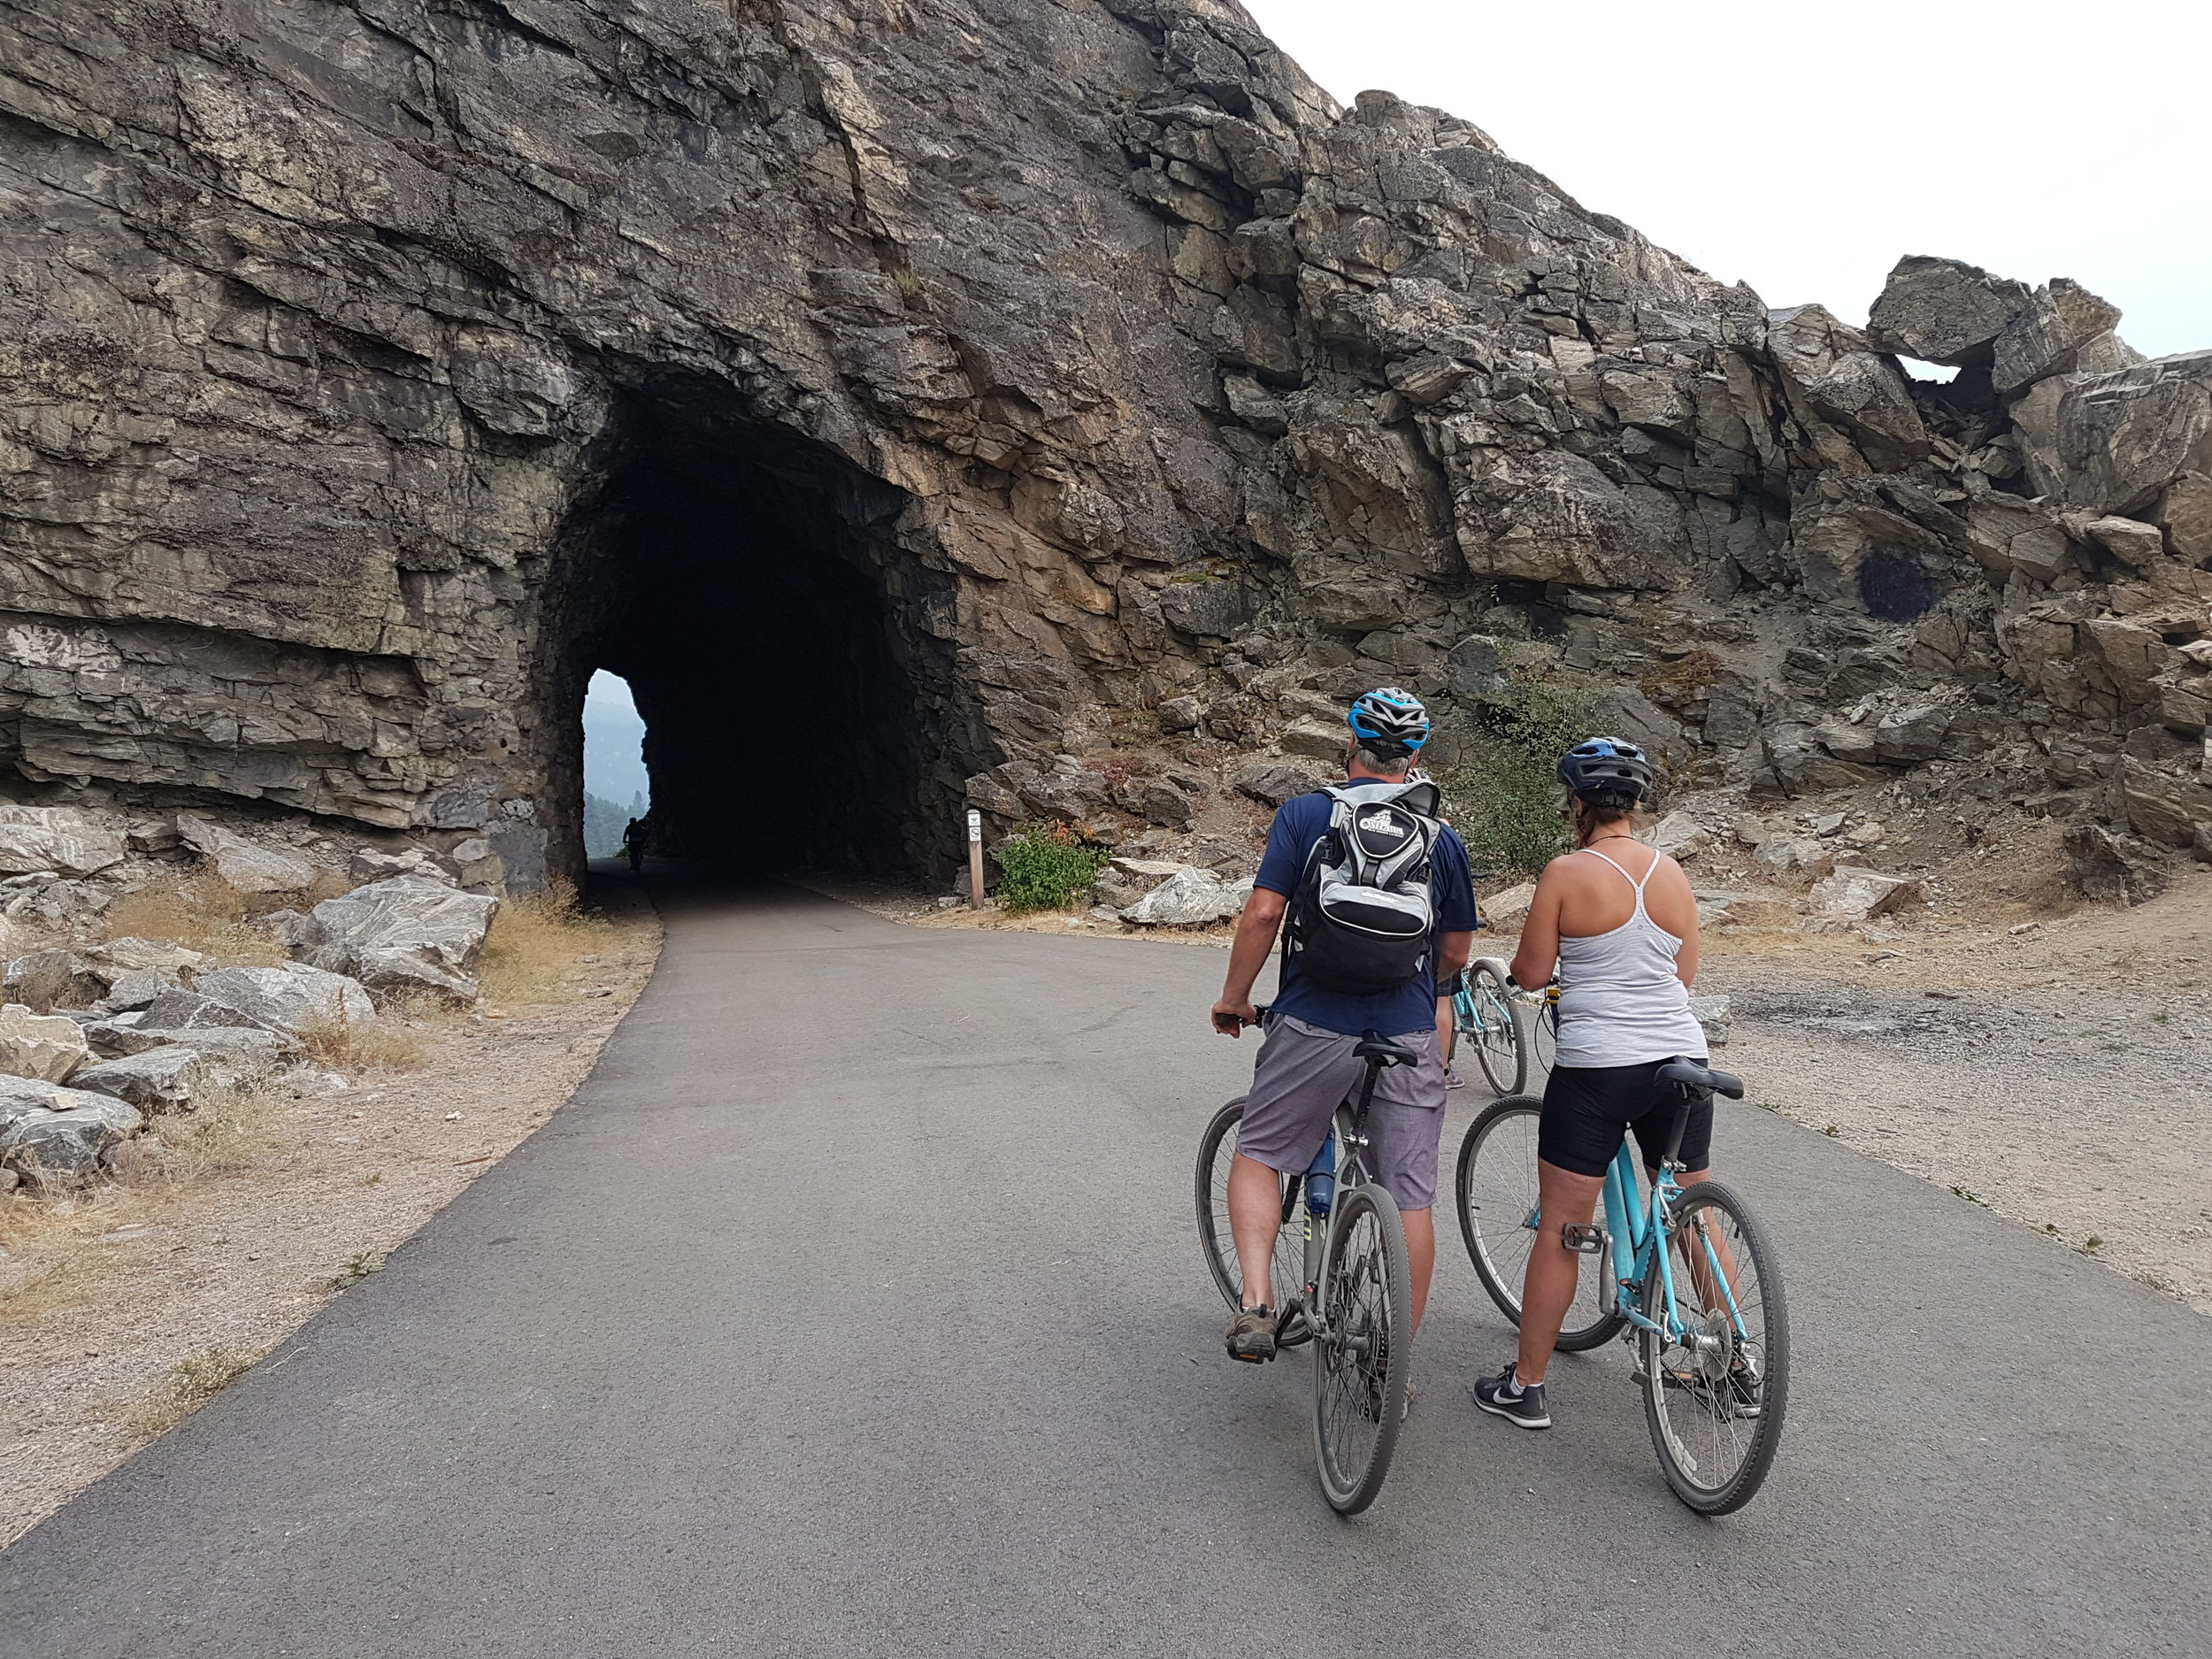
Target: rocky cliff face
pixel 902 394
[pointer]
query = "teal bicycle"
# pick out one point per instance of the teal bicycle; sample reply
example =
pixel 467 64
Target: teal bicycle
pixel 1689 1280
pixel 1492 1023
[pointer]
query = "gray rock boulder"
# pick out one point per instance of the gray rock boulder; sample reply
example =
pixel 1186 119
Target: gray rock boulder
pixel 2124 438
pixel 1509 909
pixel 1159 799
pixel 1943 311
pixel 1271 786
pixel 405 934
pixel 247 865
pixel 2114 867
pixel 47 1046
pixel 1852 893
pixel 291 999
pixel 158 1080
pixel 1187 898
pixel 2048 334
pixel 57 1137
pixel 134 955
pixel 187 1011
pixel 137 988
pixel 66 840
pixel 1125 880
pixel 231 1053
pixel 1714 1017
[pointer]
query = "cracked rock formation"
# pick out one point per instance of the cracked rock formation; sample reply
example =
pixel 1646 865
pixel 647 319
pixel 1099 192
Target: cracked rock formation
pixel 895 391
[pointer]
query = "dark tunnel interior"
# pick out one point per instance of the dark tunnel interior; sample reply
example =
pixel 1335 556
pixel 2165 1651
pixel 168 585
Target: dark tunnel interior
pixel 745 581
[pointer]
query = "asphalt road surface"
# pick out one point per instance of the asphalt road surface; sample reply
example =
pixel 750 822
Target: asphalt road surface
pixel 852 1307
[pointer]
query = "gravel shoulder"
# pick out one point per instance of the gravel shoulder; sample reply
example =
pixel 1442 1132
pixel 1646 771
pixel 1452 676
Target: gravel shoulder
pixel 136 1278
pixel 2057 1075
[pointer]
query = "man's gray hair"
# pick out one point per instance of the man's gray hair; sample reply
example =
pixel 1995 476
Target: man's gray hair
pixel 1393 759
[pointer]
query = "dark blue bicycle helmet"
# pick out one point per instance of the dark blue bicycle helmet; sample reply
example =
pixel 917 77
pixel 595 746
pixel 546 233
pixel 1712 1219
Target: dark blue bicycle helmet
pixel 1606 766
pixel 1389 721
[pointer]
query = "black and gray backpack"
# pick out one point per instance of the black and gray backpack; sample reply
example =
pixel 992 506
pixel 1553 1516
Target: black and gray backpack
pixel 1361 920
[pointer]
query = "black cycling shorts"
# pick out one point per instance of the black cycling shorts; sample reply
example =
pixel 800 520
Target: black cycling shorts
pixel 1587 1109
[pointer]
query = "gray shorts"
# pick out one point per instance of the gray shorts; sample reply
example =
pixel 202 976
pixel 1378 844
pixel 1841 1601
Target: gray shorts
pixel 1303 1073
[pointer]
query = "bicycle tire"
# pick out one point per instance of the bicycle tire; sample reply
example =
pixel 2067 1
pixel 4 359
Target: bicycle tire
pixel 1215 1242
pixel 1360 1368
pixel 1504 1064
pixel 1491 1198
pixel 1542 1034
pixel 1682 1403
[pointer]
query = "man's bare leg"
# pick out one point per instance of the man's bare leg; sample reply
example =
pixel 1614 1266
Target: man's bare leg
pixel 1255 1215
pixel 1420 1255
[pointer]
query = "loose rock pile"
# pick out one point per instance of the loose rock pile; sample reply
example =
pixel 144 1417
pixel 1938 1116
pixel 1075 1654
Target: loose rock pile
pixel 100 1040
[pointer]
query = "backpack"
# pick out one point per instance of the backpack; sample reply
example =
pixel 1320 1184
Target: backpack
pixel 1361 920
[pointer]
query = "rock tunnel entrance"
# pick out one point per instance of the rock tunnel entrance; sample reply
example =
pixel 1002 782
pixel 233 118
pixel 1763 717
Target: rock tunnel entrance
pixel 800 710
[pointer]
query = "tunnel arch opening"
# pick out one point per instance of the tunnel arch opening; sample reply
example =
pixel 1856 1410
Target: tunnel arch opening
pixel 790 656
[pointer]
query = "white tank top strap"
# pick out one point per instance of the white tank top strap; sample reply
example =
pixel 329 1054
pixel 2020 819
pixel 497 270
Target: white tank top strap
pixel 1632 880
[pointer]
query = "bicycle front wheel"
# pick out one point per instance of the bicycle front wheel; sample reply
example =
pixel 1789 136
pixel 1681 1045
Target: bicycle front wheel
pixel 1543 1038
pixel 1714 1390
pixel 1496 1187
pixel 1216 1149
pixel 1363 1350
pixel 1489 1021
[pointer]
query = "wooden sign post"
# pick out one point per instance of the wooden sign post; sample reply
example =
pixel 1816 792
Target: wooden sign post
pixel 975 859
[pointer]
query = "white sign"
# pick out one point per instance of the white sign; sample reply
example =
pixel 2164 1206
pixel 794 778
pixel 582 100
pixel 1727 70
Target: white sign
pixel 975 824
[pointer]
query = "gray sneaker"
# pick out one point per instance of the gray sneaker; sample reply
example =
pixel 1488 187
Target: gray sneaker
pixel 1504 1396
pixel 1251 1335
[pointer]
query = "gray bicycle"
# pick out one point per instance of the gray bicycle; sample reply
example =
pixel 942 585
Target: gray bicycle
pixel 1341 1281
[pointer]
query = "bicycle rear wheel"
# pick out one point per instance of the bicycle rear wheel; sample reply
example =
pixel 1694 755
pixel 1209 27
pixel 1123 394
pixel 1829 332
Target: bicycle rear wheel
pixel 1360 1365
pixel 1216 1149
pixel 1714 1396
pixel 1489 1021
pixel 1496 1190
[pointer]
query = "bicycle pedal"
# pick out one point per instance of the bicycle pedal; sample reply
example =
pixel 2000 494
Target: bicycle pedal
pixel 1586 1240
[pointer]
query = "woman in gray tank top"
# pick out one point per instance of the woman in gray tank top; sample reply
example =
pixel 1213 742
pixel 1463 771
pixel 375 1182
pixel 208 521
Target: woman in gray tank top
pixel 1616 922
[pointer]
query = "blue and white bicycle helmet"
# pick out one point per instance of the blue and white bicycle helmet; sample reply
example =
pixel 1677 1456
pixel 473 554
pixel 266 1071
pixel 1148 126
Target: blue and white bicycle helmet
pixel 1606 766
pixel 1389 721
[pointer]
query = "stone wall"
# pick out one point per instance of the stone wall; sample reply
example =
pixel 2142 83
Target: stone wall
pixel 378 370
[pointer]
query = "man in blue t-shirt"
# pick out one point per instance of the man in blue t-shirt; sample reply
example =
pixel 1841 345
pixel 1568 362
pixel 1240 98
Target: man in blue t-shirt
pixel 1306 1067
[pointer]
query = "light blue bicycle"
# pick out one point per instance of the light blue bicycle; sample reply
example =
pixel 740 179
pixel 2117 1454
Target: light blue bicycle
pixel 1693 1285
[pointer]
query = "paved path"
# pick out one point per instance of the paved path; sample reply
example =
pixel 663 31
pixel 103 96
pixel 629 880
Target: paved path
pixel 852 1308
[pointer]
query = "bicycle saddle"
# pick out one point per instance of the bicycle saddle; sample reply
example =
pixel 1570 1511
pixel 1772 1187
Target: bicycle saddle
pixel 1375 1046
pixel 1691 1075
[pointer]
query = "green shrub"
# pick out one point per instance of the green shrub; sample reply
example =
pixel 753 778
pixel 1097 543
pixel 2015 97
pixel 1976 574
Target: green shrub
pixel 1047 867
pixel 1504 797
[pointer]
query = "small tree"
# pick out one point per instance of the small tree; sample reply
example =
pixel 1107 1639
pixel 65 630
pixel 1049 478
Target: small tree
pixel 1504 797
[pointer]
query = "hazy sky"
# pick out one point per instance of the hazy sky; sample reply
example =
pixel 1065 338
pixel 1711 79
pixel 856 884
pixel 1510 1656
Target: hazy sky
pixel 613 770
pixel 1803 149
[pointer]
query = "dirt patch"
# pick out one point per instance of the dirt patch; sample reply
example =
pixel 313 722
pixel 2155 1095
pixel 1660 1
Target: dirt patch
pixel 124 1308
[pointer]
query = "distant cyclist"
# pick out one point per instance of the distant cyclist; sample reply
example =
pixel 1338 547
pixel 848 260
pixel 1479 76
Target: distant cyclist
pixel 1305 1066
pixel 1616 921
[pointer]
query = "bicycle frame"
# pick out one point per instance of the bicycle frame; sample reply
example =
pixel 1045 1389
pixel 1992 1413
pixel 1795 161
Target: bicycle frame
pixel 1348 1131
pixel 1636 1236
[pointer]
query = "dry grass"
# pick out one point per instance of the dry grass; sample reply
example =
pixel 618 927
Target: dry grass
pixel 539 945
pixel 409 1032
pixel 62 1246
pixel 184 1387
pixel 203 912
